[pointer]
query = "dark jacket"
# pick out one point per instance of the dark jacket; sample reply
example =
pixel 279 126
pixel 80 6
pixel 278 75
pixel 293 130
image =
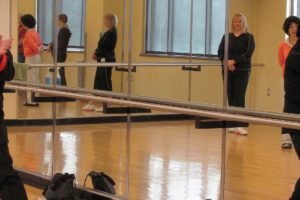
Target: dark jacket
pixel 292 75
pixel 63 39
pixel 107 44
pixel 6 75
pixel 240 50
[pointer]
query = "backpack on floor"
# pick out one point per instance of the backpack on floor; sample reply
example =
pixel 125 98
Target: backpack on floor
pixel 102 182
pixel 61 187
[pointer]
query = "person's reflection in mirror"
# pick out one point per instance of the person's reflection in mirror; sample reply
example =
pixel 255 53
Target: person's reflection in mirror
pixel 63 38
pixel 33 46
pixel 104 53
pixel 292 98
pixel 21 34
pixel 240 50
pixel 11 186
pixel 290 27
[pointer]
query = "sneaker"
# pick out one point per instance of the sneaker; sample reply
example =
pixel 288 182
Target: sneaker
pixel 99 109
pixel 242 131
pixel 286 142
pixel 88 107
pixel 232 130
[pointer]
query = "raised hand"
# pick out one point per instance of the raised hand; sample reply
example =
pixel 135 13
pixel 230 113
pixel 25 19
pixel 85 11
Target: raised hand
pixel 5 45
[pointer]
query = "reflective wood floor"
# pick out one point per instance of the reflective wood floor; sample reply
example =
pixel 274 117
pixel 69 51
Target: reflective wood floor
pixel 168 160
pixel 14 109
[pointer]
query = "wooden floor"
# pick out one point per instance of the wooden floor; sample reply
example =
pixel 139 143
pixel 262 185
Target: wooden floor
pixel 14 109
pixel 169 160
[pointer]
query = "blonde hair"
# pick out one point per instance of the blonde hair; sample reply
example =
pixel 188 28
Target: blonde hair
pixel 244 20
pixel 112 18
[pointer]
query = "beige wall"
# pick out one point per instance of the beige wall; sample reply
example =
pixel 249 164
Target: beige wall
pixel 173 82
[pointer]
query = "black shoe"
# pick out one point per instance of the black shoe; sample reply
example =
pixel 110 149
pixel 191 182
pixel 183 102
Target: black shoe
pixel 32 104
pixel 286 146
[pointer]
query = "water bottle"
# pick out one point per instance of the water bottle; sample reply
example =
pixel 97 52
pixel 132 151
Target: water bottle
pixel 48 79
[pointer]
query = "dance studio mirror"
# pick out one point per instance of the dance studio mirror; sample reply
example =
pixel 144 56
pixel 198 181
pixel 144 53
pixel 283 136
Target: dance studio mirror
pixel 265 91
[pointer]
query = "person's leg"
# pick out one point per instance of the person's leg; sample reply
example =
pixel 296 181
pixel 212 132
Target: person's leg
pixel 21 58
pixel 61 58
pixel 33 77
pixel 108 74
pixel 295 135
pixel 11 186
pixel 230 88
pixel 62 75
pixel 240 88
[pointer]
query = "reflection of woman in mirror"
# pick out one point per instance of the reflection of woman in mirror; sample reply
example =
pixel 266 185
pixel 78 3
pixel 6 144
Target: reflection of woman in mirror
pixel 240 50
pixel 21 34
pixel 63 38
pixel 290 27
pixel 292 98
pixel 105 53
pixel 11 186
pixel 33 46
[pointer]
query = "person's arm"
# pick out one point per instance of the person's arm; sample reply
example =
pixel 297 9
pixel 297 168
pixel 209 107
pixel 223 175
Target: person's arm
pixel 248 53
pixel 108 44
pixel 221 49
pixel 280 56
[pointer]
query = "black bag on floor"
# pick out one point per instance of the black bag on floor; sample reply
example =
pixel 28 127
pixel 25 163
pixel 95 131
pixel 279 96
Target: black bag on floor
pixel 61 187
pixel 102 182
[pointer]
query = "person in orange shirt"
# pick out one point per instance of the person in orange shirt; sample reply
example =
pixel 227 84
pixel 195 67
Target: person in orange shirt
pixel 290 27
pixel 33 46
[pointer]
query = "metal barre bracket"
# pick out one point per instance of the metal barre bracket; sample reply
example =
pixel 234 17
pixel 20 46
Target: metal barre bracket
pixel 191 68
pixel 125 69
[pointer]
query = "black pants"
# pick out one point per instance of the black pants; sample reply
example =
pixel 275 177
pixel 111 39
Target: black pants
pixel 293 106
pixel 61 58
pixel 236 87
pixel 21 58
pixel 102 79
pixel 11 186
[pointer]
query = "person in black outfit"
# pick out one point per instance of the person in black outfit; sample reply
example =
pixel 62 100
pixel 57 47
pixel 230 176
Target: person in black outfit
pixel 240 50
pixel 105 52
pixel 63 39
pixel 11 186
pixel 292 99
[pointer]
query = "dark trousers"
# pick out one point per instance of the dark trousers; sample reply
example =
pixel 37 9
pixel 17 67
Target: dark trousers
pixel 61 58
pixel 11 186
pixel 293 106
pixel 102 79
pixel 21 58
pixel 236 87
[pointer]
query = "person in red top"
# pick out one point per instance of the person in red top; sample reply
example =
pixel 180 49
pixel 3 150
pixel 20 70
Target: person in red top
pixel 11 186
pixel 33 46
pixel 21 35
pixel 290 27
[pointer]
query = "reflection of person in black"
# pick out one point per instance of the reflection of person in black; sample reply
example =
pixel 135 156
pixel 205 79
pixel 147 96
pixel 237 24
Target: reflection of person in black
pixel 63 39
pixel 11 186
pixel 105 53
pixel 292 98
pixel 240 50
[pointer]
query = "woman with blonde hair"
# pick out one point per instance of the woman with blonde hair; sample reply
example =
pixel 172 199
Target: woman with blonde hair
pixel 240 50
pixel 105 52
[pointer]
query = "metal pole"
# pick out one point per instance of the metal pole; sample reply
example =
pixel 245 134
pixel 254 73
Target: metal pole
pixel 191 50
pixel 123 42
pixel 224 130
pixel 128 138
